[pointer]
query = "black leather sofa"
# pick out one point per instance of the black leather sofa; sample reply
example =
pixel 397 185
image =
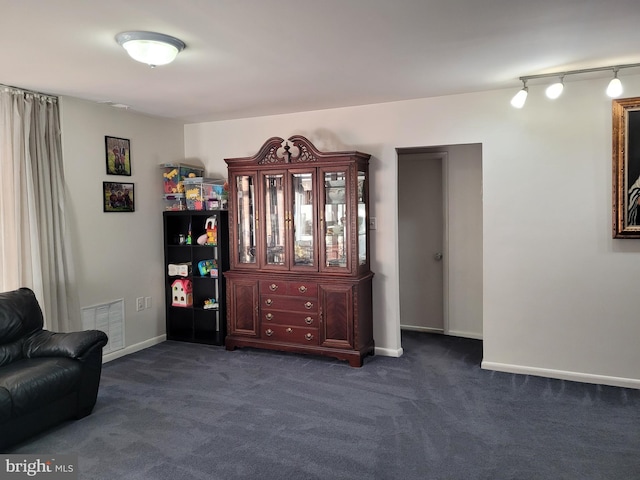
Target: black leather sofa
pixel 45 377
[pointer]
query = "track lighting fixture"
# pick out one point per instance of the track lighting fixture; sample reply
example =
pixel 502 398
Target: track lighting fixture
pixel 614 89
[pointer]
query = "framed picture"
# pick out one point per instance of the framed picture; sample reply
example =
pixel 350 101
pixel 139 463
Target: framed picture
pixel 118 197
pixel 118 156
pixel 626 168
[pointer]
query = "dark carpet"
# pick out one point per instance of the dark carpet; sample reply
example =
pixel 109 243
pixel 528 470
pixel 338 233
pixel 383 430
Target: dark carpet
pixel 183 411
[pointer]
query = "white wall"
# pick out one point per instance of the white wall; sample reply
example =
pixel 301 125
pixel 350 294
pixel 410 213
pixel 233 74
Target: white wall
pixel 558 296
pixel 119 255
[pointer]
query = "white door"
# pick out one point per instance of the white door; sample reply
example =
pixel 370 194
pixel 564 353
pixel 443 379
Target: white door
pixel 421 240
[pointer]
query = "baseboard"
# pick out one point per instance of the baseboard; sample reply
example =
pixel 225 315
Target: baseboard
pixel 389 352
pixel 472 335
pixel 413 328
pixel 453 333
pixel 133 348
pixel 563 375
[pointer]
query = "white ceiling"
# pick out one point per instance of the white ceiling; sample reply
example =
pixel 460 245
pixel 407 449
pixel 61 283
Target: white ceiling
pixel 249 58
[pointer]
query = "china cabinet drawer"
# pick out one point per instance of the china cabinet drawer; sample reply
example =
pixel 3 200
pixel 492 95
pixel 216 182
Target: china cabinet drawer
pixel 300 319
pixel 307 289
pixel 284 333
pixel 294 304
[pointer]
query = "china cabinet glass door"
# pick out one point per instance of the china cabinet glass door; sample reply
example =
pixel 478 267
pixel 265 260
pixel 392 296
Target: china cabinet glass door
pixel 275 219
pixel 362 218
pixel 336 220
pixel 302 219
pixel 246 219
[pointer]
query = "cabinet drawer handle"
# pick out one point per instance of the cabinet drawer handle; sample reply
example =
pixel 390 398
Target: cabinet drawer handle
pixel 268 301
pixel 269 332
pixel 308 305
pixel 289 330
pixel 308 320
pixel 273 287
pixel 269 316
pixel 309 336
pixel 302 289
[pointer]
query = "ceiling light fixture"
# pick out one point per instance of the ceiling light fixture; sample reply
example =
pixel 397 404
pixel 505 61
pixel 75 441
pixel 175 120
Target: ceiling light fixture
pixel 150 47
pixel 553 91
pixel 519 98
pixel 614 89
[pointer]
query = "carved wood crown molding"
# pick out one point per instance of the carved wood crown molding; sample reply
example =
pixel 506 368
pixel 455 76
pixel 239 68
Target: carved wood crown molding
pixel 296 150
pixel 301 150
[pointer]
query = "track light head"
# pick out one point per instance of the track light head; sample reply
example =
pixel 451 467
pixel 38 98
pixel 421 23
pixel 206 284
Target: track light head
pixel 614 89
pixel 554 90
pixel 520 98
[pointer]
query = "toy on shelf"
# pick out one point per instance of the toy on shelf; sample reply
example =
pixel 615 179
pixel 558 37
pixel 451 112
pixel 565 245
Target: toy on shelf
pixel 210 237
pixel 212 231
pixel 208 268
pixel 179 269
pixel 210 303
pixel 182 293
pixel 188 240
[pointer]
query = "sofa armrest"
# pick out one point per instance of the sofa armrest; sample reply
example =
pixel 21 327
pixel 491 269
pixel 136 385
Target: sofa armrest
pixel 73 344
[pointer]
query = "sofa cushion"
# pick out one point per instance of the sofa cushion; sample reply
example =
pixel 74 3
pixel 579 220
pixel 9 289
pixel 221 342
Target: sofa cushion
pixel 10 352
pixel 5 405
pixel 35 382
pixel 20 315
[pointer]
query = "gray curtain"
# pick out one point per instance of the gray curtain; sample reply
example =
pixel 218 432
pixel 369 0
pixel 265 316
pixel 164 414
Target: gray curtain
pixel 34 247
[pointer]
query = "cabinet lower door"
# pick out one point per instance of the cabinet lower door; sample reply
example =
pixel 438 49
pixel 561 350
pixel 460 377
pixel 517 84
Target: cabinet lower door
pixel 337 315
pixel 242 307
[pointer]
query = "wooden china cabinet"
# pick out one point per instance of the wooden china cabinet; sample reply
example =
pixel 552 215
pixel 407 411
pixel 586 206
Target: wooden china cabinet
pixel 299 277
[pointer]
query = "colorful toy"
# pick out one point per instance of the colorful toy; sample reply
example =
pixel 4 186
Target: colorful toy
pixel 212 231
pixel 210 303
pixel 182 293
pixel 171 184
pixel 188 241
pixel 206 266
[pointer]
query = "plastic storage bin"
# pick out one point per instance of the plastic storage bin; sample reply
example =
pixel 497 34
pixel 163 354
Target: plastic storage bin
pixel 203 193
pixel 174 174
pixel 174 202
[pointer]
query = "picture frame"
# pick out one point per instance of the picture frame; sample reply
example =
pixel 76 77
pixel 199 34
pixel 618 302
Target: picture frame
pixel 626 167
pixel 118 155
pixel 118 197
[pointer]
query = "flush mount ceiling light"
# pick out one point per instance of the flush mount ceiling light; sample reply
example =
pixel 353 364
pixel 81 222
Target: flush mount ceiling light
pixel 150 47
pixel 553 91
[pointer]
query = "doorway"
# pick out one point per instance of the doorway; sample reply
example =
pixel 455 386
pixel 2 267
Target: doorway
pixel 421 240
pixel 440 200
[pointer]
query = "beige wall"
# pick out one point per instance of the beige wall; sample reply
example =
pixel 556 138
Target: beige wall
pixel 557 290
pixel 118 255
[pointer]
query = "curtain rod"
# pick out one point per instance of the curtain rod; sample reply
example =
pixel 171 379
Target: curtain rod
pixel 24 90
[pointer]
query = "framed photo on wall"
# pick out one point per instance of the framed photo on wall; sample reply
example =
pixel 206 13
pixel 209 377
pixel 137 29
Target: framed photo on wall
pixel 118 197
pixel 118 155
pixel 626 168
